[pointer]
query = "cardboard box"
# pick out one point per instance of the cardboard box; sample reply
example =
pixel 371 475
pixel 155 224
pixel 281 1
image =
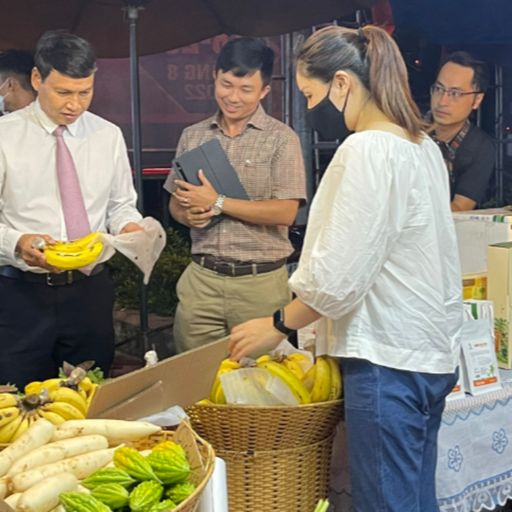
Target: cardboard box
pixel 180 380
pixel 474 286
pixel 499 290
pixel 476 230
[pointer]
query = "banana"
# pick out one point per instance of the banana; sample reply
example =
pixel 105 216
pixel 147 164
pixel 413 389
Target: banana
pixel 309 378
pixel 86 384
pixel 217 393
pixel 295 385
pixel 8 414
pixel 91 394
pixel 76 245
pixel 7 431
pixel 336 381
pixel 294 366
pixel 49 384
pixel 322 384
pixel 304 361
pixel 34 388
pixel 22 428
pixel 8 400
pixel 73 260
pixel 229 364
pixel 52 417
pixel 67 411
pixel 204 401
pixel 263 359
pixel 69 396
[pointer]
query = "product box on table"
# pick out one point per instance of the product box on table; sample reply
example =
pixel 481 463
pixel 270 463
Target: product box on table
pixel 499 290
pixel 180 380
pixel 476 229
pixel 474 286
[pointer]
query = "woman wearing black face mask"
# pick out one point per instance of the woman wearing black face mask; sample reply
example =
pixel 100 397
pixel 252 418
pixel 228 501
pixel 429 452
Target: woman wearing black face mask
pixel 327 120
pixel 380 260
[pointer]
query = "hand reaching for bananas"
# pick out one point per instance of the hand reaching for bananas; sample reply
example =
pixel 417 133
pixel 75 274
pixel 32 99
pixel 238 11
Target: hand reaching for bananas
pixel 254 338
pixel 30 250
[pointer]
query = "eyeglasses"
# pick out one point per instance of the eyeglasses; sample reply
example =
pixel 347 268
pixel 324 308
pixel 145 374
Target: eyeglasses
pixel 453 94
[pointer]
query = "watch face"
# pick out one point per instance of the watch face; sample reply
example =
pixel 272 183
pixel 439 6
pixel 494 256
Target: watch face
pixel 216 210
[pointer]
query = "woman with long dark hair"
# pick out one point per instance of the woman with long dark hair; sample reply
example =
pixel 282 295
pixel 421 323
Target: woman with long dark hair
pixel 380 260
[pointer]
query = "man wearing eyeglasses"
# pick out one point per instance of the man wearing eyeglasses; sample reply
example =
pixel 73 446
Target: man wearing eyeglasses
pixel 468 151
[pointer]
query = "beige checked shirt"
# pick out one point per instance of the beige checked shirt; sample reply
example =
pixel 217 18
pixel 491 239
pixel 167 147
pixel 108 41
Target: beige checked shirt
pixel 268 159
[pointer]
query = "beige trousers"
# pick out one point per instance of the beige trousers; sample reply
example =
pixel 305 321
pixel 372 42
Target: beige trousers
pixel 210 304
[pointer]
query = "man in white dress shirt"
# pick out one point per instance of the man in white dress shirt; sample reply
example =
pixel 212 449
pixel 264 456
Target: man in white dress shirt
pixel 48 317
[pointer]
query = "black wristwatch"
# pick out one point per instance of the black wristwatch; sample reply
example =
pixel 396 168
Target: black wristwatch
pixel 279 323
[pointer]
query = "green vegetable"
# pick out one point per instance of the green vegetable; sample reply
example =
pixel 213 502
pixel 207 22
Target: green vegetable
pixel 145 496
pixel 180 492
pixel 131 461
pixel 169 466
pixel 163 506
pixel 79 502
pixel 108 476
pixel 113 495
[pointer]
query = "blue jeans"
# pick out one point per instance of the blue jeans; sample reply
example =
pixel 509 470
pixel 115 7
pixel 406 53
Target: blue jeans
pixel 392 421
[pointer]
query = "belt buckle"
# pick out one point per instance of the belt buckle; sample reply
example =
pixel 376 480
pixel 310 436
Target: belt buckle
pixel 51 279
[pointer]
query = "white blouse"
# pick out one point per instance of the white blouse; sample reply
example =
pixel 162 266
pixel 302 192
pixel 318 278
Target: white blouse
pixel 380 255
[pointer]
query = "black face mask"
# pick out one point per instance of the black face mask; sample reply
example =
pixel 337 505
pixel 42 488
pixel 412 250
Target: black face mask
pixel 328 121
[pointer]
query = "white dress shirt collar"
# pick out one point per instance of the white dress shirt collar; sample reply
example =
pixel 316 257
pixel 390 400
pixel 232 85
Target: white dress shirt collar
pixel 48 125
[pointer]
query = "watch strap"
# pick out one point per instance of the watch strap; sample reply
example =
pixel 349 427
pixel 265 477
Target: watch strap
pixel 279 323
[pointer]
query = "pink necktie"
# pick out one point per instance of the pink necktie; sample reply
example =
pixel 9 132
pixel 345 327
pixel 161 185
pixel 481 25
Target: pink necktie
pixel 75 215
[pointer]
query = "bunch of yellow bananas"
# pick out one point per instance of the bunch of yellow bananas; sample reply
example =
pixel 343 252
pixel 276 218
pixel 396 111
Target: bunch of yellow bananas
pixel 85 387
pixel 323 379
pixel 51 399
pixel 309 382
pixel 76 254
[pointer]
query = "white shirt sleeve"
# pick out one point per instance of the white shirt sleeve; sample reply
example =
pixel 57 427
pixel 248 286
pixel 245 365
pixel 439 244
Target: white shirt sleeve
pixel 354 221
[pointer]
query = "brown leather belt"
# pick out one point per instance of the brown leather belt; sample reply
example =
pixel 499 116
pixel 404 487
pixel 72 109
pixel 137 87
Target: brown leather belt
pixel 234 269
pixel 64 278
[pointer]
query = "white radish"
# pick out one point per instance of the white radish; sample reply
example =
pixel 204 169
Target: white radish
pixel 81 466
pixel 37 434
pixel 56 451
pixel 116 431
pixel 59 508
pixel 12 500
pixel 4 487
pixel 44 496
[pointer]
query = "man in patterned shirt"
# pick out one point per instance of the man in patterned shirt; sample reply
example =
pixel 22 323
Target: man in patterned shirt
pixel 238 267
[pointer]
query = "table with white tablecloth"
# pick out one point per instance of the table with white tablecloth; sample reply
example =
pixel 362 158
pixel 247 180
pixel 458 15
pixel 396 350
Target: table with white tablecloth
pixel 474 469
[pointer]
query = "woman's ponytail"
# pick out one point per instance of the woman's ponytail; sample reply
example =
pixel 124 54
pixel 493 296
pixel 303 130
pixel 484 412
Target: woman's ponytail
pixel 388 80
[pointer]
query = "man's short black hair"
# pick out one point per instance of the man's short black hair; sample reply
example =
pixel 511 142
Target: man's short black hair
pixel 66 53
pixel 246 55
pixel 480 69
pixel 18 63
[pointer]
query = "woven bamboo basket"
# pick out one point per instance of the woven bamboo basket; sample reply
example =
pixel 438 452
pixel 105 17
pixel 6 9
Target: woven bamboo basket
pixel 291 480
pixel 199 453
pixel 263 428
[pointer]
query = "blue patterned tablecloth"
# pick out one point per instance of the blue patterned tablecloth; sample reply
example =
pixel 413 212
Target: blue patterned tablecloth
pixel 474 468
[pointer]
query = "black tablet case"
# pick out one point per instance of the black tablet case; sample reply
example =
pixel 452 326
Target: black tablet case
pixel 211 158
